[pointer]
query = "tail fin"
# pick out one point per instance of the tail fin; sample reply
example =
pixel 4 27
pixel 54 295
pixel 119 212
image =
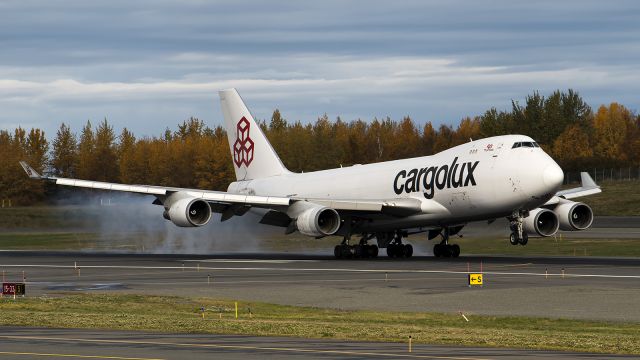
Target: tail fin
pixel 253 156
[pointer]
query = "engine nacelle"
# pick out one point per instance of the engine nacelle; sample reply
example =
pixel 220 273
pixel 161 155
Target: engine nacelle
pixel 542 222
pixel 186 211
pixel 574 215
pixel 318 221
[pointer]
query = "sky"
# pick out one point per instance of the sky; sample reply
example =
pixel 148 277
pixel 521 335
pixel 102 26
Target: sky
pixel 149 65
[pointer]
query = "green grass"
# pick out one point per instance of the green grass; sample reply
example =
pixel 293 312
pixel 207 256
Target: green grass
pixel 618 198
pixel 182 315
pixel 45 217
pixel 46 241
pixel 560 246
pixel 550 246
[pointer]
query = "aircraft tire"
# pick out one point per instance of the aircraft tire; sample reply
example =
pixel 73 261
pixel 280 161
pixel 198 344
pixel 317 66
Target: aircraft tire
pixel 392 250
pixel 524 240
pixel 372 251
pixel 513 239
pixel 447 251
pixel 455 250
pixel 337 252
pixel 436 250
pixel 408 250
pixel 346 252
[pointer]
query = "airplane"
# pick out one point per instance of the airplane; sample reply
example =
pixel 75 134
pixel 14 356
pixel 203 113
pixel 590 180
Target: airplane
pixel 507 176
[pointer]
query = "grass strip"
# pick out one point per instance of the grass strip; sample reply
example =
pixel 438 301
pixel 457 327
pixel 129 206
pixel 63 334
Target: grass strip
pixel 551 246
pixel 559 246
pixel 182 315
pixel 46 241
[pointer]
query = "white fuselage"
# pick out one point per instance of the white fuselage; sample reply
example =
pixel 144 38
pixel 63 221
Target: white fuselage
pixel 479 180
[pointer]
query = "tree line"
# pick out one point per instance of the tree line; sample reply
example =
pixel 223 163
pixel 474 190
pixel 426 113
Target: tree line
pixel 197 156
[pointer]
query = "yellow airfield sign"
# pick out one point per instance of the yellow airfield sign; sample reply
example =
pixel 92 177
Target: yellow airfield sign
pixel 475 279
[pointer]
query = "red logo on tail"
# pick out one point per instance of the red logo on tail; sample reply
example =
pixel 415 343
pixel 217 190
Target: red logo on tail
pixel 243 147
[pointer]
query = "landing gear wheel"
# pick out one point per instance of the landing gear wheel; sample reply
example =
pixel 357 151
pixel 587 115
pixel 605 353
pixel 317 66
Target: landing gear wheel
pixel 372 251
pixel 437 252
pixel 524 240
pixel 337 252
pixel 446 250
pixel 391 250
pixel 455 250
pixel 408 250
pixel 513 239
pixel 346 252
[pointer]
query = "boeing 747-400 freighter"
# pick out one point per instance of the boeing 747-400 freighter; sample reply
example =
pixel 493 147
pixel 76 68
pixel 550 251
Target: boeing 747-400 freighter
pixel 382 203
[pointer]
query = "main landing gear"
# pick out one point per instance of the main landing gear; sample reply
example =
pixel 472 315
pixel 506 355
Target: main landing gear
pixel 396 249
pixel 391 240
pixel 518 235
pixel 444 249
pixel 360 251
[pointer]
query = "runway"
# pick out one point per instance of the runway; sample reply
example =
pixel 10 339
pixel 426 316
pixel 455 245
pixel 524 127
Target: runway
pixel 26 343
pixel 556 287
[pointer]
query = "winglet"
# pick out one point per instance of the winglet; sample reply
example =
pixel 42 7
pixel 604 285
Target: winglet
pixel 587 181
pixel 30 171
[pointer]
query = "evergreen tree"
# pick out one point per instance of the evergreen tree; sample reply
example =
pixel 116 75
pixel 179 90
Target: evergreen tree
pixel 85 167
pixel 126 157
pixel 105 158
pixel 64 156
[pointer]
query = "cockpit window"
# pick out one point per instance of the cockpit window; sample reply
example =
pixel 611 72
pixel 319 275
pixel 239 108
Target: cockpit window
pixel 529 144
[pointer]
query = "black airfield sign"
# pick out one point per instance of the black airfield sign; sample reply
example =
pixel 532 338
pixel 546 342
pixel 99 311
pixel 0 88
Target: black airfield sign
pixel 13 288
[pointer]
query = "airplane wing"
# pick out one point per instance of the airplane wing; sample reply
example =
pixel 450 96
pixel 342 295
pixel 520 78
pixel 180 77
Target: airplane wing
pixel 237 204
pixel 587 187
pixel 208 195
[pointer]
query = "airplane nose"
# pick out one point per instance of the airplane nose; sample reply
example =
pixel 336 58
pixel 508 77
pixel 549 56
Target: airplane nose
pixel 553 176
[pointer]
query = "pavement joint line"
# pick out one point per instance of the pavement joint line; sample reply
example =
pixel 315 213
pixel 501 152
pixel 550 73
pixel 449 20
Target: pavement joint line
pixel 74 356
pixel 241 347
pixel 343 270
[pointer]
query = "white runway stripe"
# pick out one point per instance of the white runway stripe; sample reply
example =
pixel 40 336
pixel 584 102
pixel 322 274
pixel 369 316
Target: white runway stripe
pixel 342 270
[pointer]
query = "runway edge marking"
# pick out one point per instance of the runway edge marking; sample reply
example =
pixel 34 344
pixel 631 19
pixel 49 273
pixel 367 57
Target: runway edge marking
pixel 130 267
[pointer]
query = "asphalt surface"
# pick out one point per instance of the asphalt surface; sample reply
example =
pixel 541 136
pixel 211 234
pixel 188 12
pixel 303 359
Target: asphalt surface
pixel 591 288
pixel 26 343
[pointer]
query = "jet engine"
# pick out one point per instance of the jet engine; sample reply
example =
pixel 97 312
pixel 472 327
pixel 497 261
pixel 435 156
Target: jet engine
pixel 574 215
pixel 542 222
pixel 318 221
pixel 186 211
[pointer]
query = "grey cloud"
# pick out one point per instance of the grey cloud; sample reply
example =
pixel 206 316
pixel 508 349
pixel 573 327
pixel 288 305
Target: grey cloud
pixel 159 62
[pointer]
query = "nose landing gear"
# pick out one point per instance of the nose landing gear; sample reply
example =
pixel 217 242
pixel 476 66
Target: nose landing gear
pixel 518 235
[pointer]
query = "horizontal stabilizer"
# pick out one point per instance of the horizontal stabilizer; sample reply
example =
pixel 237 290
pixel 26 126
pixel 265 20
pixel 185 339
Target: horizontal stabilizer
pixel 588 187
